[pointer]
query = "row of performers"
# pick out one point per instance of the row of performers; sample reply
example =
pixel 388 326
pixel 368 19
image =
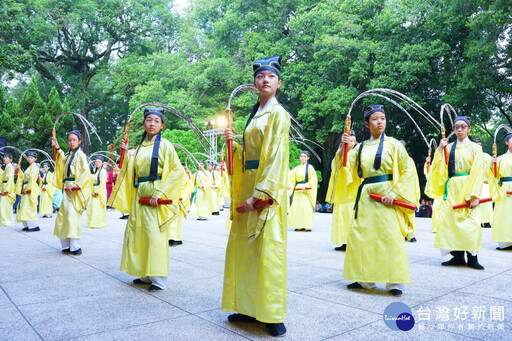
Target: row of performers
pixel 255 284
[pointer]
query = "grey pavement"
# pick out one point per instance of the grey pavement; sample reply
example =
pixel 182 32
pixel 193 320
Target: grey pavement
pixel 47 295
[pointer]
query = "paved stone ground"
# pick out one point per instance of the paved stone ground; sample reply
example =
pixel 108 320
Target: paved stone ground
pixel 47 295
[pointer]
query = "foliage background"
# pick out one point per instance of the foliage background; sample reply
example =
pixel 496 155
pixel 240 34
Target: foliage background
pixel 103 58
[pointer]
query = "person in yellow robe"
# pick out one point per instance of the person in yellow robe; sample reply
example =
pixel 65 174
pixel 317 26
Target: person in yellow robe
pixel 486 207
pixel 341 213
pixel 216 189
pixel 29 192
pixel 7 192
pixel 72 174
pixel 182 208
pixel 225 190
pixel 255 270
pixel 501 227
pixel 96 216
pixel 436 206
pixel 154 172
pixel 47 191
pixel 375 246
pixel 304 185
pixel 201 203
pixel 458 182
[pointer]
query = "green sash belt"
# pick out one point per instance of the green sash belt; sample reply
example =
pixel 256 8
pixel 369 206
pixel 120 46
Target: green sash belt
pixel 68 179
pixel 144 179
pixel 504 179
pixel 45 183
pixel 445 195
pixel 25 182
pixel 95 184
pixel 367 181
pixel 252 164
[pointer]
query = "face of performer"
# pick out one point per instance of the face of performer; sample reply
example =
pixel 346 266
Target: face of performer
pixel 376 123
pixel 31 159
pixel 267 83
pixel 210 167
pixel 105 166
pixel 7 159
pixel 352 142
pixel 153 124
pixel 200 165
pixel 461 129
pixel 98 164
pixel 46 168
pixel 73 142
pixel 303 158
pixel 217 168
pixel 509 144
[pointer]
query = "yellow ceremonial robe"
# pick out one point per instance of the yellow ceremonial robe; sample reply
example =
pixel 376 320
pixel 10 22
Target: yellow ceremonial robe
pixel 96 216
pixel 7 200
pixel 460 229
pixel 255 270
pixel 27 209
pixel 486 207
pixel 303 202
pixel 375 246
pixel 76 175
pixel 46 194
pixel 146 246
pixel 182 208
pixel 501 227
pixel 409 221
pixel 201 204
pixel 342 214
pixel 435 204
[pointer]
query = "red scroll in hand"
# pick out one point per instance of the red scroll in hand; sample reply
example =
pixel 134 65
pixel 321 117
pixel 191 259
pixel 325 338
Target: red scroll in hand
pixel 300 189
pixel 466 204
pixel 145 201
pixel 258 205
pixel 509 192
pixel 72 189
pixel 395 202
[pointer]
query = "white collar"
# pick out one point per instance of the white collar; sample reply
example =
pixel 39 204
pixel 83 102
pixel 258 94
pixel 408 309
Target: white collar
pixel 508 151
pixel 267 105
pixel 154 137
pixel 463 141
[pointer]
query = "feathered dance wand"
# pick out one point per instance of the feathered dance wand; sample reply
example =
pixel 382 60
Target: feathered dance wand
pixel 229 119
pixel 348 124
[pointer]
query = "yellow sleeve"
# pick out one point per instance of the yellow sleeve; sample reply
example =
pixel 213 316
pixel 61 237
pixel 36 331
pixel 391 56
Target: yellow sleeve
pixel 405 178
pixel 272 173
pixel 123 192
pixel 19 181
pixel 60 160
pixel 474 185
pixel 438 175
pixel 313 183
pixel 172 175
pixel 346 179
pixel 32 184
pixel 101 189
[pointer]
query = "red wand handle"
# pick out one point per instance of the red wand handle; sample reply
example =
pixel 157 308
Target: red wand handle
pixel 230 157
pixel 54 153
pixel 145 201
pixel 495 170
pixel 395 202
pixel 445 155
pixel 509 192
pixel 121 158
pixel 345 152
pixel 258 205
pixel 466 204
pixel 346 130
pixel 428 167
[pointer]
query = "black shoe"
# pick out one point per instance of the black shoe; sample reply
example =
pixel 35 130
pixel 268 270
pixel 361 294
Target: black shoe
pixel 77 252
pixel 276 329
pixel 125 217
pixel 66 250
pixel 486 225
pixel 175 242
pixel 154 288
pixel 473 262
pixel 140 282
pixel 458 259
pixel 307 230
pixel 240 318
pixel 396 292
pixel 341 248
pixel 25 229
pixel 34 229
pixel 413 240
pixel 354 285
pixel 504 248
pixel 215 213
